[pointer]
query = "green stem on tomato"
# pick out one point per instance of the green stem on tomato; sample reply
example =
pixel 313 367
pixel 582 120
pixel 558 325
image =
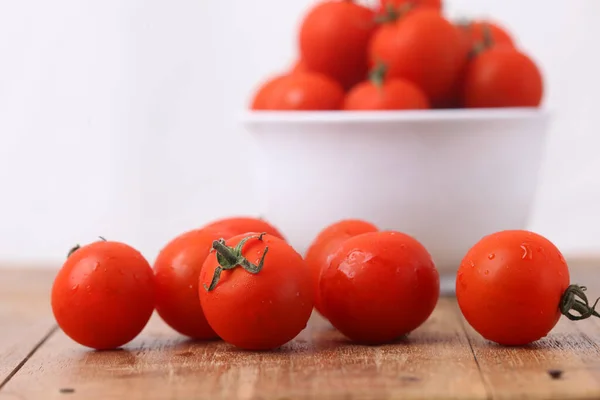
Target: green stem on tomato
pixel 232 257
pixel 575 299
pixel 377 74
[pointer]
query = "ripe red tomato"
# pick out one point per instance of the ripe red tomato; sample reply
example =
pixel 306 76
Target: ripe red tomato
pixel 475 33
pixel 254 298
pixel 237 225
pixel 502 77
pixel 263 94
pixel 509 287
pixel 379 287
pixel 435 4
pixel 422 47
pixel 379 93
pixel 177 270
pixel 334 38
pixel 304 91
pixel 103 296
pixel 325 246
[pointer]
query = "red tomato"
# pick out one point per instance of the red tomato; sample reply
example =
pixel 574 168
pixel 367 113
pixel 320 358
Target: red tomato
pixel 237 225
pixel 103 296
pixel 379 93
pixel 326 244
pixel 379 287
pixel 509 287
pixel 435 4
pixel 263 94
pixel 502 77
pixel 254 298
pixel 305 91
pixel 177 270
pixel 334 37
pixel 475 33
pixel 422 47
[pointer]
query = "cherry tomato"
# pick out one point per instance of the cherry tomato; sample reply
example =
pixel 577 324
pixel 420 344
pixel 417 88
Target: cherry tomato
pixel 237 225
pixel 326 245
pixel 435 4
pixel 509 287
pixel 502 77
pixel 379 286
pixel 379 93
pixel 261 97
pixel 254 298
pixel 475 33
pixel 334 37
pixel 303 91
pixel 103 296
pixel 421 46
pixel 177 270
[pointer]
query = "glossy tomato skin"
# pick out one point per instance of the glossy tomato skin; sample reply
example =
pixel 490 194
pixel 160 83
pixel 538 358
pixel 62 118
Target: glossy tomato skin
pixel 379 287
pixel 307 91
pixel 333 40
pixel 509 287
pixel 325 246
pixel 260 311
pixel 103 296
pixel 393 94
pixel 434 4
pixel 177 271
pixel 502 77
pixel 237 225
pixel 422 47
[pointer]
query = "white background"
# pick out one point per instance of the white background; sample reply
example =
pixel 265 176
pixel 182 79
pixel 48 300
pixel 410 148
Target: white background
pixel 118 118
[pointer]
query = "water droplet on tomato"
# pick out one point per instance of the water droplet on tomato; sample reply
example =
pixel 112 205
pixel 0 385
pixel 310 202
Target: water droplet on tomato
pixel 472 263
pixel 491 256
pixel 487 271
pixel 297 294
pixel 75 287
pixel 191 287
pixel 88 288
pixel 96 266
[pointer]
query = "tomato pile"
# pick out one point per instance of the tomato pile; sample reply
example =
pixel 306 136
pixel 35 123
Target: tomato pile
pixel 238 279
pixel 404 55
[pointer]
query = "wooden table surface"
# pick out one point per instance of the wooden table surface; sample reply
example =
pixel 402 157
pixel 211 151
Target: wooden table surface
pixel 444 359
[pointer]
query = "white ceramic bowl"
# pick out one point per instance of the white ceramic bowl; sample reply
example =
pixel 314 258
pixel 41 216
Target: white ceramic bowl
pixel 445 177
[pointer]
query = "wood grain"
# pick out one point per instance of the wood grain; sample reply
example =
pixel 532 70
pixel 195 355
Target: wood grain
pixel 434 363
pixel 25 319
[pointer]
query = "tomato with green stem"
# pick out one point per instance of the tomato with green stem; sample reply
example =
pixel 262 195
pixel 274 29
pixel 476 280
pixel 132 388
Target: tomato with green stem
pixel 324 247
pixel 255 291
pixel 502 77
pixel 379 287
pixel 433 4
pixel 103 296
pixel 380 93
pixel 422 47
pixel 513 286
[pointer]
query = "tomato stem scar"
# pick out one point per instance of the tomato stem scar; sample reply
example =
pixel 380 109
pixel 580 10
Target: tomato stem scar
pixel 232 257
pixel 574 299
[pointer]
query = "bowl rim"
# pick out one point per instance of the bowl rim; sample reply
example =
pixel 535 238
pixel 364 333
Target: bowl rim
pixel 422 116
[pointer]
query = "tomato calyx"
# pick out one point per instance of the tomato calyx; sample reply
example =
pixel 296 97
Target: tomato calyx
pixel 392 13
pixel 78 246
pixel 232 257
pixel 574 299
pixel 486 44
pixel 377 75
